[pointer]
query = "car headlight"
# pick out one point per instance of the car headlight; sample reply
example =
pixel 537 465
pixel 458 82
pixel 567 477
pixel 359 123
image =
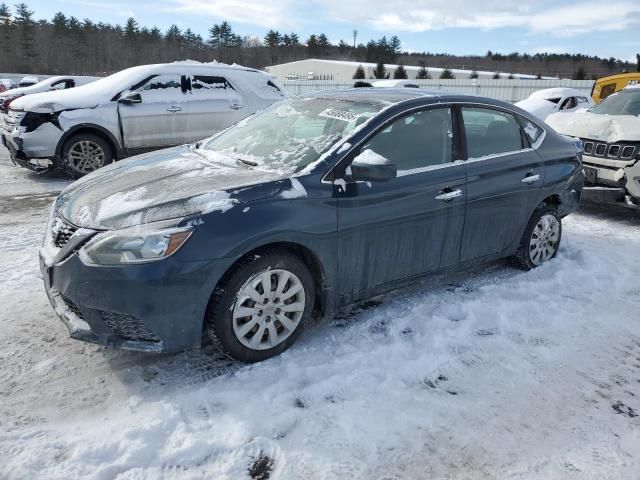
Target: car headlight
pixel 145 243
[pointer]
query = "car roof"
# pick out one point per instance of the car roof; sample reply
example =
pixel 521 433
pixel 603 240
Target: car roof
pixel 557 92
pixel 397 95
pixel 188 64
pixel 376 95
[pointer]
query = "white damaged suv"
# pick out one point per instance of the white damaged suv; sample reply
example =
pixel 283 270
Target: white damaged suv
pixel 136 110
pixel 610 135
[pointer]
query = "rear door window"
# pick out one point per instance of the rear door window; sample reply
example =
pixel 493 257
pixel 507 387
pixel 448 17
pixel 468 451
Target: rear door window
pixel 210 84
pixel 490 132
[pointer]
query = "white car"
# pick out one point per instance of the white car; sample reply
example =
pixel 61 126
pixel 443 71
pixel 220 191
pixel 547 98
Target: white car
pixel 133 111
pixel 551 100
pixel 28 81
pixel 610 135
pixel 52 83
pixel 6 84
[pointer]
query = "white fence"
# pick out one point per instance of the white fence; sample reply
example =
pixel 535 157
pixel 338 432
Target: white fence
pixel 503 89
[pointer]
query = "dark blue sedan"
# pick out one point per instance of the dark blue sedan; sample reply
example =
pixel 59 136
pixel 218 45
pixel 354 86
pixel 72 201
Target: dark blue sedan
pixel 312 204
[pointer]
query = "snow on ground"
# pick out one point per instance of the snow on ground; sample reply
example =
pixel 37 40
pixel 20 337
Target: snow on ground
pixel 488 374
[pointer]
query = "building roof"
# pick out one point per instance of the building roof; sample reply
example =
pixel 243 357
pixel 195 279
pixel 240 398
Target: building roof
pixel 412 68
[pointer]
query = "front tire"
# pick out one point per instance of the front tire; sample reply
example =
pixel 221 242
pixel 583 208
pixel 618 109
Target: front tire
pixel 541 239
pixel 260 309
pixel 85 153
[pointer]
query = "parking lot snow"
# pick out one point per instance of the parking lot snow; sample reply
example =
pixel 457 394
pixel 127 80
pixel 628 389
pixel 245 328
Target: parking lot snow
pixel 492 373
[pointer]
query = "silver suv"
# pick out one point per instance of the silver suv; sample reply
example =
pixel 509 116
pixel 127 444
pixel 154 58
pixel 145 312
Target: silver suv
pixel 138 109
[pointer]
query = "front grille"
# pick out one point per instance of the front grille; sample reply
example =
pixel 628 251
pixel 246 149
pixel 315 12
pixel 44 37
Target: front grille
pixel 128 327
pixel 61 231
pixel 72 307
pixel 613 151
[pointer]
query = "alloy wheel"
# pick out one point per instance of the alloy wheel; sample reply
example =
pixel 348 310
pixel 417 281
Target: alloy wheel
pixel 544 239
pixel 86 156
pixel 268 309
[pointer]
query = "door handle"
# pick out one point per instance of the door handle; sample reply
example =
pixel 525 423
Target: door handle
pixel 236 106
pixel 448 195
pixel 530 179
pixel 174 108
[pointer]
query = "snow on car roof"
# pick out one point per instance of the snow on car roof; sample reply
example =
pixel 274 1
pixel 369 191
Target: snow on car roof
pixel 395 83
pixel 102 90
pixel 44 84
pixel 557 92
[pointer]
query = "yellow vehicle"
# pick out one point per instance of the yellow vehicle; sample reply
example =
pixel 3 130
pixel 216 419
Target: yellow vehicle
pixel 605 86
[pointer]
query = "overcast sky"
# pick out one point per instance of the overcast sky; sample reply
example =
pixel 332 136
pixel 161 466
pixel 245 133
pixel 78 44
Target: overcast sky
pixel 454 26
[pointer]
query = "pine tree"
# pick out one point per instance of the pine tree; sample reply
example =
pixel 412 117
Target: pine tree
pixel 272 38
pixel 173 35
pixel 5 36
pixel 394 46
pixel 359 74
pixel 59 23
pixel 380 71
pixel 400 73
pixel 423 73
pixel 131 29
pixel 25 26
pixel 447 74
pixel 323 44
pixel 312 44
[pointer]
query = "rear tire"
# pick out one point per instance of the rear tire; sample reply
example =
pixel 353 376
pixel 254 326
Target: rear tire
pixel 541 239
pixel 261 307
pixel 85 153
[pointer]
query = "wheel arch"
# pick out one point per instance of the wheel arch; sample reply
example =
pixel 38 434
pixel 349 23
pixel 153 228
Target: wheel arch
pixel 94 130
pixel 304 253
pixel 553 200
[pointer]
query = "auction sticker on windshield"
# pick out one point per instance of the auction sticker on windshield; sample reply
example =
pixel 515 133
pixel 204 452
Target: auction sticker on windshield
pixel 343 115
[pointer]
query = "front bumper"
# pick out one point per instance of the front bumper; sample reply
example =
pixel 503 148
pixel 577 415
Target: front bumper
pixel 33 150
pixel 611 178
pixel 153 307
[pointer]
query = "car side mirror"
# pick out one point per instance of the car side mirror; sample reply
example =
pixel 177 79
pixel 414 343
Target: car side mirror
pixel 372 167
pixel 131 98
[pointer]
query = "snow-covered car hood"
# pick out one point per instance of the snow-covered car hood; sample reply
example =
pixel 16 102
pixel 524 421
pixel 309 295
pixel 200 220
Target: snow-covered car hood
pixel 594 126
pixel 171 183
pixel 54 101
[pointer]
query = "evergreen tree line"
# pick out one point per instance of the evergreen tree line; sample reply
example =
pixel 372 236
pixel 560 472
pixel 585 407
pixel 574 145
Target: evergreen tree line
pixel 68 45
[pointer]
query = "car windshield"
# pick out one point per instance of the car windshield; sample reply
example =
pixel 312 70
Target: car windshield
pixel 290 135
pixel 626 102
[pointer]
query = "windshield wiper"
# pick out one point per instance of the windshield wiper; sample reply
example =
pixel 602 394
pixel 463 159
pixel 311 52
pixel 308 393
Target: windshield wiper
pixel 246 162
